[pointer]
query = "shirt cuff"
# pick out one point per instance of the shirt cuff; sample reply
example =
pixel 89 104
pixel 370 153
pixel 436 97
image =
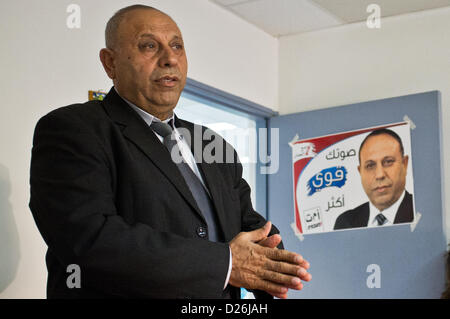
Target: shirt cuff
pixel 229 270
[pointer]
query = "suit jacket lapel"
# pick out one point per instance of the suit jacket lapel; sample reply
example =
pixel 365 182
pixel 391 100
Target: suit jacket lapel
pixel 137 131
pixel 363 216
pixel 210 171
pixel 405 212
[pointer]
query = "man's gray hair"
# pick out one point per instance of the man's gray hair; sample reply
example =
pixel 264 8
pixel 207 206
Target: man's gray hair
pixel 114 22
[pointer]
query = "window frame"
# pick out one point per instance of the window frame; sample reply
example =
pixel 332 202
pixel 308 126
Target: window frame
pixel 220 99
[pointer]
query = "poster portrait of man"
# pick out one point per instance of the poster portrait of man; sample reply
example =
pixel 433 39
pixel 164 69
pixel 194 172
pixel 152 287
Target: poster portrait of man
pixel 354 179
pixel 383 168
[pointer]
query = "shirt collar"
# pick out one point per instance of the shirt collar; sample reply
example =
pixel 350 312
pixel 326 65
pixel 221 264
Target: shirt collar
pixel 389 212
pixel 147 117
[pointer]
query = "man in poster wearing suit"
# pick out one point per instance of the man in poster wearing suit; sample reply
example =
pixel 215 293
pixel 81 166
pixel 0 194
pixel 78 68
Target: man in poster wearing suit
pixel 107 195
pixel 383 168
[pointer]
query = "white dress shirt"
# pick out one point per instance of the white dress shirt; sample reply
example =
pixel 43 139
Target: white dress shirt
pixel 389 213
pixel 185 152
pixel 182 144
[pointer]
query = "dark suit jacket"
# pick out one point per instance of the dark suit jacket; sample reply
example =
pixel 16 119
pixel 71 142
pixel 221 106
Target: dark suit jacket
pixel 106 196
pixel 359 216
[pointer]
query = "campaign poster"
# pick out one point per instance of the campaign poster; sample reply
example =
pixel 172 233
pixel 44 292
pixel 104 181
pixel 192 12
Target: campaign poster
pixel 353 180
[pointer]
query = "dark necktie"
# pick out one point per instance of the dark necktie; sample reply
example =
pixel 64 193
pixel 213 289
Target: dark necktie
pixel 196 187
pixel 381 219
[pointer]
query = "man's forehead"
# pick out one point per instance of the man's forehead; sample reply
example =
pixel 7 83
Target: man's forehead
pixel 145 30
pixel 149 22
pixel 383 142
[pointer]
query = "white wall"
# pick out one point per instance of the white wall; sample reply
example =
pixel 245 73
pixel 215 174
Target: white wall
pixel 45 65
pixel 350 64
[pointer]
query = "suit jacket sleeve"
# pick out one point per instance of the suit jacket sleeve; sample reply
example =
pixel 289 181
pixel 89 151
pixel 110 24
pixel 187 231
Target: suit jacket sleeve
pixel 72 201
pixel 251 220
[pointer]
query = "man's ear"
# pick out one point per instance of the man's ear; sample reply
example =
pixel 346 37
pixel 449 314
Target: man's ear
pixel 359 169
pixel 405 161
pixel 107 58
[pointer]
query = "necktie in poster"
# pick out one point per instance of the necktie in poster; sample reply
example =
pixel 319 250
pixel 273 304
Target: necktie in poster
pixel 353 180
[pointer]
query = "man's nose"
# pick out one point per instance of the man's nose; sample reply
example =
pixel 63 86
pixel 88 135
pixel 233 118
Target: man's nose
pixel 380 172
pixel 168 58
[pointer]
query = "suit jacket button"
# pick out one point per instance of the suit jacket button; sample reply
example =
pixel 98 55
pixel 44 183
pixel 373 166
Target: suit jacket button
pixel 202 231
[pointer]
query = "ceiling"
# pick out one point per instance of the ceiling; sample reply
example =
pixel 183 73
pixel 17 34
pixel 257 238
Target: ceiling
pixel 284 17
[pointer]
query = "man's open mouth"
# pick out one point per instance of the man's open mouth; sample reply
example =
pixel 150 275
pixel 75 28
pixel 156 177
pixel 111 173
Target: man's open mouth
pixel 167 80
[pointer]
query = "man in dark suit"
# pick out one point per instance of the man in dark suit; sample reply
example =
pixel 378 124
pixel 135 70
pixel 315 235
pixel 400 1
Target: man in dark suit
pixel 108 196
pixel 383 168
